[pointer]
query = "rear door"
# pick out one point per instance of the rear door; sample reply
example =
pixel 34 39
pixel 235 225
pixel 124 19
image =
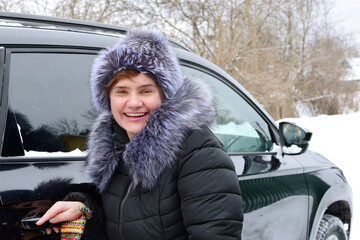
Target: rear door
pixel 273 187
pixel 45 117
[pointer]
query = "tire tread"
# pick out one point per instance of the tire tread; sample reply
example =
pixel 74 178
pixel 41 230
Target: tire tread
pixel 328 224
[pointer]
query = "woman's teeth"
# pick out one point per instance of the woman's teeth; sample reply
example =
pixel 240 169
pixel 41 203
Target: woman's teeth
pixel 135 114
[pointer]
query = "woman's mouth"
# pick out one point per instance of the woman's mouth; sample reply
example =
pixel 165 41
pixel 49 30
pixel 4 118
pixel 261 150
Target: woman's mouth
pixel 135 116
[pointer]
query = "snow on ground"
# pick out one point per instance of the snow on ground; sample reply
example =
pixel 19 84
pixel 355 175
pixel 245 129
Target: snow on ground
pixel 337 138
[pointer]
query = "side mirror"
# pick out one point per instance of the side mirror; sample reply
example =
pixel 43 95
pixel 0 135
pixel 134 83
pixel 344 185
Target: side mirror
pixel 294 139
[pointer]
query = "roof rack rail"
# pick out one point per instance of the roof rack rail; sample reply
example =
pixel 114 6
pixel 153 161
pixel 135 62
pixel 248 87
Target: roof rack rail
pixel 66 24
pixel 43 21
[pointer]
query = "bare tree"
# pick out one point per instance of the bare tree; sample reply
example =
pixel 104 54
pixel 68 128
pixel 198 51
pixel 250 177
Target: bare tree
pixel 95 10
pixel 276 49
pixel 6 5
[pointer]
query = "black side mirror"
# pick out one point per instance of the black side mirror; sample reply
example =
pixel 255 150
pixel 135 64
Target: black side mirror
pixel 294 139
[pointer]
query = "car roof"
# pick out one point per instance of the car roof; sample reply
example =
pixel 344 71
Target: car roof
pixel 33 29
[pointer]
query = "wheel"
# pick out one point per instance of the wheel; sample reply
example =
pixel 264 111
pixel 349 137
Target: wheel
pixel 331 228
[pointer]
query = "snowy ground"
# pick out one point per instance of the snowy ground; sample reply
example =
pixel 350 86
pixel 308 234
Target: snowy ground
pixel 337 138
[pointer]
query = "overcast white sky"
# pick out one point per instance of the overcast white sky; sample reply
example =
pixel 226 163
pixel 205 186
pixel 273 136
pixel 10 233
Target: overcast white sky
pixel 346 13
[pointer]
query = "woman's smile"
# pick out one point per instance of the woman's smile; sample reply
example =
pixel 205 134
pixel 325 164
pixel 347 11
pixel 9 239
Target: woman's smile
pixel 135 115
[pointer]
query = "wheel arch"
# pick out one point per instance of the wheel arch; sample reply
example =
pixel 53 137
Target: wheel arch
pixel 337 201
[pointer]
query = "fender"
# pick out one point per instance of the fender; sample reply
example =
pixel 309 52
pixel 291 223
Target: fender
pixel 339 192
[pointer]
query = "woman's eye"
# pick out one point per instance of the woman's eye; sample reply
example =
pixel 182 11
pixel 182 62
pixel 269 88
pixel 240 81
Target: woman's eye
pixel 120 92
pixel 146 91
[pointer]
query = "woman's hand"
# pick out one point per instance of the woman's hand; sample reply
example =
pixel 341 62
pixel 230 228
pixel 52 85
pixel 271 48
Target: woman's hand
pixel 60 212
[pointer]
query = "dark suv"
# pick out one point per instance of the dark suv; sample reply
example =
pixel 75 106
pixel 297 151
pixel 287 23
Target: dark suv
pixel 45 116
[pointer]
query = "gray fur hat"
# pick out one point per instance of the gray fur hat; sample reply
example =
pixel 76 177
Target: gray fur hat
pixel 145 51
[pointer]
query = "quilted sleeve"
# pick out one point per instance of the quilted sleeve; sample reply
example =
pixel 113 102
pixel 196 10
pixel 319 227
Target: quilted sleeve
pixel 209 190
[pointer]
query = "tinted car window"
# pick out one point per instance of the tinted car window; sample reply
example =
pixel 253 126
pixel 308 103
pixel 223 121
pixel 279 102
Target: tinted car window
pixel 47 126
pixel 239 126
pixel 50 100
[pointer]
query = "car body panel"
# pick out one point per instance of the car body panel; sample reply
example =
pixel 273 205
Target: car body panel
pixel 58 39
pixel 3 93
pixel 32 186
pixel 274 203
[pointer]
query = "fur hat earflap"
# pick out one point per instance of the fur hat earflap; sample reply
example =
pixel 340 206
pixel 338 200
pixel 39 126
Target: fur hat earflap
pixel 146 51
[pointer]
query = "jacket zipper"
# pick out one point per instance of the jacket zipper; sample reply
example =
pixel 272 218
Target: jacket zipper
pixel 122 208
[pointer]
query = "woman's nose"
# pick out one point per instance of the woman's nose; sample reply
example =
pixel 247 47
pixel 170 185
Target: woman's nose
pixel 134 101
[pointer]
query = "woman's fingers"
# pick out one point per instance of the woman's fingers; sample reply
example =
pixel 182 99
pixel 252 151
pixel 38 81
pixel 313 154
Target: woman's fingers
pixel 66 213
pixel 56 229
pixel 48 230
pixel 62 211
pixel 51 213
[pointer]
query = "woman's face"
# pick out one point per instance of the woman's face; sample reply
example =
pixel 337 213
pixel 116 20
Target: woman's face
pixel 132 100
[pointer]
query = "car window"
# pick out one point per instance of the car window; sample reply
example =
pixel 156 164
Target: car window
pixel 239 127
pixel 50 108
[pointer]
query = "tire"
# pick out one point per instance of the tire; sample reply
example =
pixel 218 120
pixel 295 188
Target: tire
pixel 331 228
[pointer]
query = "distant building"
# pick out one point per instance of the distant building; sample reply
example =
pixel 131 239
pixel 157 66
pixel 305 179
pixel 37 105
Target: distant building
pixel 354 72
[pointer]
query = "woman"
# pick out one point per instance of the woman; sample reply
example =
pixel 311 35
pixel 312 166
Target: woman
pixel 161 172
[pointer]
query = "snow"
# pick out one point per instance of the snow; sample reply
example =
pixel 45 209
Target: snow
pixel 10 24
pixel 75 153
pixel 229 129
pixel 337 138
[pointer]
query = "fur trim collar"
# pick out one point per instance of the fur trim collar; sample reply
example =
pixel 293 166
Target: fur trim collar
pixel 157 146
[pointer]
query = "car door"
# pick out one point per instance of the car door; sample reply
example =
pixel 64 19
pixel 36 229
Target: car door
pixel 45 117
pixel 275 196
pixel 4 234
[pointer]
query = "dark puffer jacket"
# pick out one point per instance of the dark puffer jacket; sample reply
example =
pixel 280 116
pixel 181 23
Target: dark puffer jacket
pixel 198 198
pixel 196 195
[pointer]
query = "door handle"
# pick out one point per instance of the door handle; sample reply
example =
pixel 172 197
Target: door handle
pixel 29 223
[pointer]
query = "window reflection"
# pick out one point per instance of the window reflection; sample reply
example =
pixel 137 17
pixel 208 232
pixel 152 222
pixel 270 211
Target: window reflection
pixel 50 99
pixel 239 126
